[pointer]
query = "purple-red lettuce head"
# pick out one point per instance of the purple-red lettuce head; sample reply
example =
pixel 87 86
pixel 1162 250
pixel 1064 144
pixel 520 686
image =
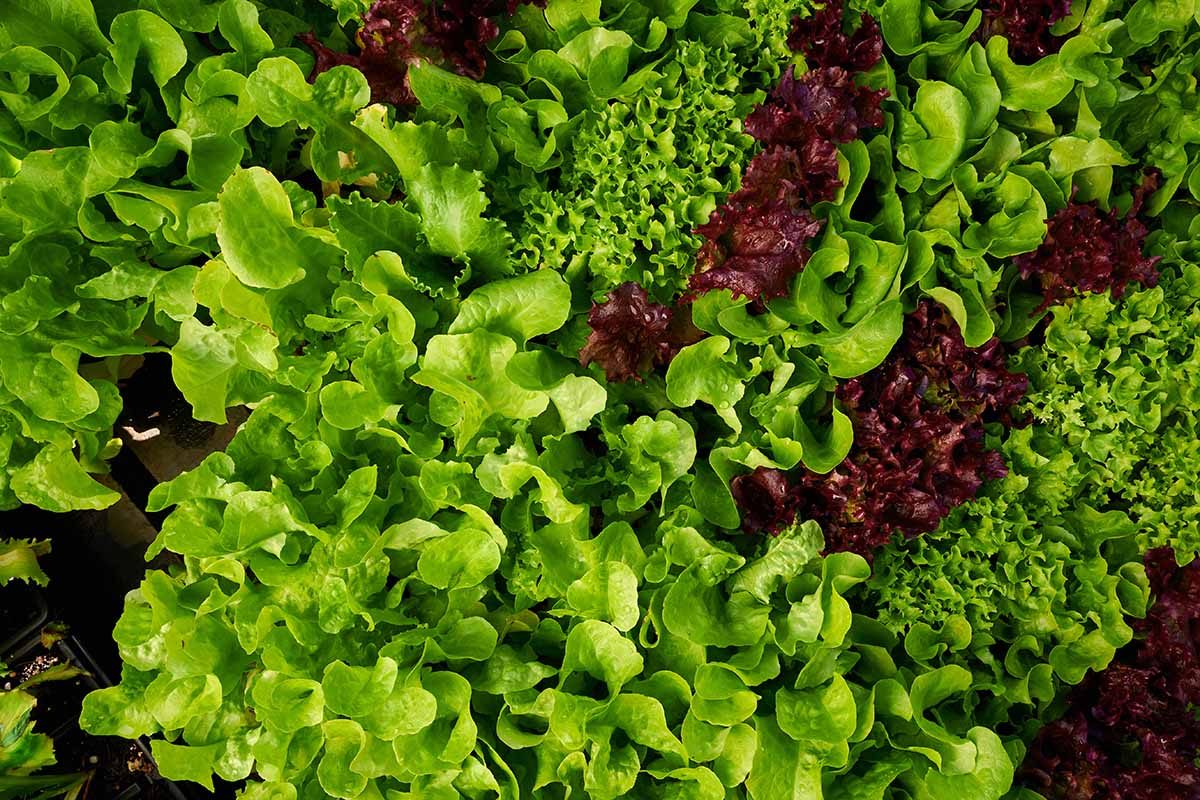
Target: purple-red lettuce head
pixel 919 447
pixel 753 251
pixel 1026 25
pixel 824 103
pixel 1088 250
pixel 396 34
pixel 630 334
pixel 822 39
pixel 766 500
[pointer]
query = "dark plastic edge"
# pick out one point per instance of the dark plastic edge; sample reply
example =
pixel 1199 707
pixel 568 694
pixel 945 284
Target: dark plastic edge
pixel 17 640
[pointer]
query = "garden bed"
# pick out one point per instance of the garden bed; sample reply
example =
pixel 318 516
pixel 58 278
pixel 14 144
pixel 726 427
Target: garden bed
pixel 528 399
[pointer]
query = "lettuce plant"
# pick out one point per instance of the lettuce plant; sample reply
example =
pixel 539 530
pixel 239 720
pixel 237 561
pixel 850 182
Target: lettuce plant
pixel 1027 26
pixel 119 132
pixel 630 334
pixel 1085 250
pixel 1112 390
pixel 758 241
pixel 823 40
pixel 638 174
pixel 24 753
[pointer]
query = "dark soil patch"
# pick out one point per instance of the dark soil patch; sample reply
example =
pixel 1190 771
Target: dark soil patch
pixel 20 614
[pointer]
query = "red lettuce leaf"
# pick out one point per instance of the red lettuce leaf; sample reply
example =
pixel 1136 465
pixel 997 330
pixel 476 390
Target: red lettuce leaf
pixel 460 30
pixel 396 34
pixel 630 334
pixel 823 103
pixel 1026 25
pixel 1086 250
pixel 824 43
pixel 800 177
pixel 754 251
pixel 765 498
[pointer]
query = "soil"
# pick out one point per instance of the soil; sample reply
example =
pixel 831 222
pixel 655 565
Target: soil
pixel 58 702
pixel 151 400
pixel 115 765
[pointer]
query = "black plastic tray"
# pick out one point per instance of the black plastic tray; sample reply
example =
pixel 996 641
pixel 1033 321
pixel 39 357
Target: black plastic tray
pixel 69 649
pixel 28 613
